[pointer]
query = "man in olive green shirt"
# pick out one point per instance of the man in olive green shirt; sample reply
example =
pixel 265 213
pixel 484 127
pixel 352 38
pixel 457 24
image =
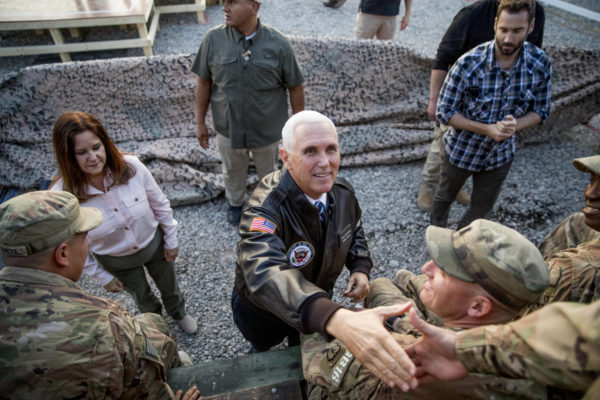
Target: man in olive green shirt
pixel 245 70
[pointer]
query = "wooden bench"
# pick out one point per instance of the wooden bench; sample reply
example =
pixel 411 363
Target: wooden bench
pixel 269 375
pixel 198 6
pixel 17 15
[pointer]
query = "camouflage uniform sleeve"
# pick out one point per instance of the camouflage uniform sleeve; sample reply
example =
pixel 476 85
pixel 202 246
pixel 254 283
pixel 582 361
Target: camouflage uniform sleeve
pixel 384 292
pixel 148 353
pixel 571 232
pixel 574 276
pixel 557 345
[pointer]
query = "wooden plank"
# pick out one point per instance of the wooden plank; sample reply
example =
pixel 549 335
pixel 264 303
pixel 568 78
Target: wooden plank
pixel 64 10
pixel 21 26
pixel 74 32
pixel 137 13
pixel 73 47
pixel 265 371
pixel 198 6
pixel 200 13
pixel 289 390
pixel 177 8
pixel 58 39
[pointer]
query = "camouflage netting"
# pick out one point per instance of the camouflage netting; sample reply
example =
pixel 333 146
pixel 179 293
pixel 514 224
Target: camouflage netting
pixel 375 92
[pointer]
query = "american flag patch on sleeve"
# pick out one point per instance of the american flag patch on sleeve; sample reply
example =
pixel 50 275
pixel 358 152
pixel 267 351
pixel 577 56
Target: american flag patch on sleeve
pixel 262 225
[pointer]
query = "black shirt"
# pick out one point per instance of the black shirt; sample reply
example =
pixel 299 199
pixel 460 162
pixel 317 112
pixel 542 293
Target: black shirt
pixel 474 25
pixel 378 7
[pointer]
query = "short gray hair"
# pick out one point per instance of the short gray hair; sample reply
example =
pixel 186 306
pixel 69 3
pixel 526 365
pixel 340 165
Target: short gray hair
pixel 288 133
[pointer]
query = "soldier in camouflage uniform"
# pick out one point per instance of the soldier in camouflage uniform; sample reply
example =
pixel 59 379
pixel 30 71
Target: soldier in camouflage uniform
pixel 570 233
pixel 572 251
pixel 55 340
pixel 575 272
pixel 557 345
pixel 483 272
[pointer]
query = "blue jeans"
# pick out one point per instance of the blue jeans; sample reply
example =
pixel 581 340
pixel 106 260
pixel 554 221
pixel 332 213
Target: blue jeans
pixel 263 332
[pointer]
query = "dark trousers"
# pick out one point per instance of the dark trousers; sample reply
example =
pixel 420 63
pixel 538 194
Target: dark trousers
pixel 261 331
pixel 130 271
pixel 486 188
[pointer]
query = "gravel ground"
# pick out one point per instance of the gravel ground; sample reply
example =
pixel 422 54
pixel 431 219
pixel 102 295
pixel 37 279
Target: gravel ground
pixel 541 189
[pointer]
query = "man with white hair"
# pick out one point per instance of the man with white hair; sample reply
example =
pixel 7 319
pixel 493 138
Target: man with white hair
pixel 301 226
pixel 245 71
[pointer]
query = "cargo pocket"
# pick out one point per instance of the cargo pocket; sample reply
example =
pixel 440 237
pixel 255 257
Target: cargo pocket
pixel 267 73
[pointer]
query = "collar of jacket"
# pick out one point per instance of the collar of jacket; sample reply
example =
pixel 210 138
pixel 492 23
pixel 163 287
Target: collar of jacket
pixel 36 277
pixel 239 35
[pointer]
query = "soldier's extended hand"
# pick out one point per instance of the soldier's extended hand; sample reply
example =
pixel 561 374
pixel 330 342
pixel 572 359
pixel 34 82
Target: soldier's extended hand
pixel 434 354
pixel 114 286
pixel 358 287
pixel 202 135
pixel 363 334
pixel 191 394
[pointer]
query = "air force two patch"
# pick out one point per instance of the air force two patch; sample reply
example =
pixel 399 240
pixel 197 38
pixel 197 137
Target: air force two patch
pixel 300 254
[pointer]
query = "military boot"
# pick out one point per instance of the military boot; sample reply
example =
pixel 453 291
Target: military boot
pixel 334 3
pixel 425 199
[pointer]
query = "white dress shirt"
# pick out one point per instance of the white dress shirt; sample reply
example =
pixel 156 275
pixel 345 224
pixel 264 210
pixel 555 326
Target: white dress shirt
pixel 322 199
pixel 131 214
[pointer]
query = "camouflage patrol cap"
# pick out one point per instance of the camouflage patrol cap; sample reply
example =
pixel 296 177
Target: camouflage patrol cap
pixel 588 164
pixel 36 221
pixel 499 259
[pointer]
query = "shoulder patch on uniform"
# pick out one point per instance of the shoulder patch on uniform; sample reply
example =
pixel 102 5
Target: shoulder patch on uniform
pixel 150 350
pixel 334 352
pixel 263 225
pixel 300 254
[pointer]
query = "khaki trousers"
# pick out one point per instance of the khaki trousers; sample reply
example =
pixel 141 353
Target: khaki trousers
pixel 235 167
pixel 430 176
pixel 369 26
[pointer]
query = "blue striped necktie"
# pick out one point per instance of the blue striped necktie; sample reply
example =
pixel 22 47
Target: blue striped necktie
pixel 322 213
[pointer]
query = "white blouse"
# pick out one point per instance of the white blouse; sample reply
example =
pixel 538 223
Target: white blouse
pixel 131 213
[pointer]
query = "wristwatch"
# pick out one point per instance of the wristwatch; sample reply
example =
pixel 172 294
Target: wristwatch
pixel 389 323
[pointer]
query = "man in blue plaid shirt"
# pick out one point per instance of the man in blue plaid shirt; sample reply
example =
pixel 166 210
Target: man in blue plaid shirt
pixel 493 91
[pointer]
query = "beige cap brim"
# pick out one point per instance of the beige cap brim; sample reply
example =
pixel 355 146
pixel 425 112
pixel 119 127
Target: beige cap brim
pixel 441 251
pixel 89 218
pixel 588 164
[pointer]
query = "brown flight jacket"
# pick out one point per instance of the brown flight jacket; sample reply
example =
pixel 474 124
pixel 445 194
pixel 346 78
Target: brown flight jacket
pixel 289 274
